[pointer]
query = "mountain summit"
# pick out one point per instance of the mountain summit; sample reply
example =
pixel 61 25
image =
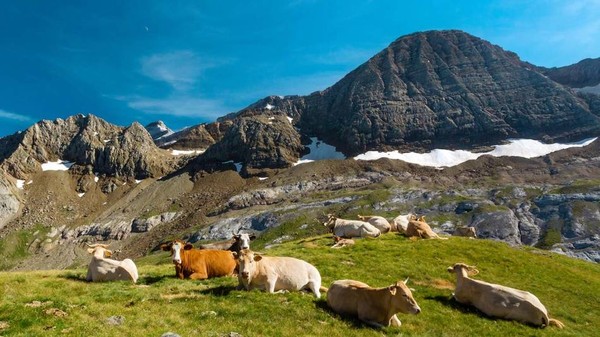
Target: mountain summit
pixel 437 89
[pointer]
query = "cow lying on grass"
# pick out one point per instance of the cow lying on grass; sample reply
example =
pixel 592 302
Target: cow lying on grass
pixel 102 268
pixel 198 264
pixel 499 301
pixel 420 229
pixel 351 228
pixel 379 222
pixel 274 273
pixel 374 306
pixel 339 242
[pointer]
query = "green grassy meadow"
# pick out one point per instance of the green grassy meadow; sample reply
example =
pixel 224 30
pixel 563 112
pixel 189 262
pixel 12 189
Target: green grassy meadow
pixel 161 303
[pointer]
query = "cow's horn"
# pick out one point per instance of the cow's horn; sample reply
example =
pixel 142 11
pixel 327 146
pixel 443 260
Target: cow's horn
pixel 406 281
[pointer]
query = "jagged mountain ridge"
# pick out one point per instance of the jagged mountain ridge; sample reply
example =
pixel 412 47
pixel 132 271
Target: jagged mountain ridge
pixel 89 142
pixel 585 73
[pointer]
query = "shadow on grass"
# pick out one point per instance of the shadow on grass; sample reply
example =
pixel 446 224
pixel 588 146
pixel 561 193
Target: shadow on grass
pixel 356 323
pixel 454 304
pixel 149 280
pixel 74 277
pixel 218 291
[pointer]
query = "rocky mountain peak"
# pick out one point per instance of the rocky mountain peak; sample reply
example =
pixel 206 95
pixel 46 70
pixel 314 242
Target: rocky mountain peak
pixel 158 129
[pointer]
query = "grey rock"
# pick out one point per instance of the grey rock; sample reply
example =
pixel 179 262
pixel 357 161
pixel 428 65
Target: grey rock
pixel 115 320
pixel 145 225
pixel 9 203
pixel 499 225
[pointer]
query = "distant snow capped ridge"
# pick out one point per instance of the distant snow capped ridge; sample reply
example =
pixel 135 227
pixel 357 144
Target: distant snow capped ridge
pixel 158 130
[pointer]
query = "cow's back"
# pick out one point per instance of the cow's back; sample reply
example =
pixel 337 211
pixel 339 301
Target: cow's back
pixel 344 296
pixel 291 273
pixel 355 229
pixel 509 303
pixel 212 263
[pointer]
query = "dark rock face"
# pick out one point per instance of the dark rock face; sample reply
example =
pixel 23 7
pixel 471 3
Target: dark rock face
pixel 86 141
pixel 258 142
pixel 585 73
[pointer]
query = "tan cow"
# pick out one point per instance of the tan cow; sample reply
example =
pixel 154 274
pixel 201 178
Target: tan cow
pixel 339 242
pixel 374 306
pixel 378 221
pixel 351 228
pixel 469 232
pixel 102 268
pixel 199 264
pixel 420 229
pixel 400 223
pixel 276 274
pixel 499 301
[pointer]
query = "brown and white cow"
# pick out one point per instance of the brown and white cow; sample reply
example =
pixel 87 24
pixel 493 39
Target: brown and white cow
pixel 103 268
pixel 276 273
pixel 199 264
pixel 351 228
pixel 235 244
pixel 375 306
pixel 499 301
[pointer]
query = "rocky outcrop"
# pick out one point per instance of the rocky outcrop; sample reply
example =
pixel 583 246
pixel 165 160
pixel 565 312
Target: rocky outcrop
pixel 85 141
pixel 196 137
pixel 258 142
pixel 9 203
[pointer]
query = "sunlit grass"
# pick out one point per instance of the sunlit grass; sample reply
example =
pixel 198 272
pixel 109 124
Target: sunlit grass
pixel 160 303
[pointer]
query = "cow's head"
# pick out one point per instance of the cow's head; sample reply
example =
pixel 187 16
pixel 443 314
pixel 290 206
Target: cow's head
pixel 99 250
pixel 402 298
pixel 463 270
pixel 242 240
pixel 330 223
pixel 246 260
pixel 175 248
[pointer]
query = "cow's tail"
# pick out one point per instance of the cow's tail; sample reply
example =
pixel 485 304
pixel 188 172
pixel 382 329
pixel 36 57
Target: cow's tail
pixel 556 323
pixel 323 289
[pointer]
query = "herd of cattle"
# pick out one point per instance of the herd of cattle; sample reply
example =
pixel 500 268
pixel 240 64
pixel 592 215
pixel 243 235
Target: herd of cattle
pixel 374 306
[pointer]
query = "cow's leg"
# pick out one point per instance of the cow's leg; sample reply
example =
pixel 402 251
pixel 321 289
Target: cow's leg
pixel 315 288
pixel 199 276
pixel 394 321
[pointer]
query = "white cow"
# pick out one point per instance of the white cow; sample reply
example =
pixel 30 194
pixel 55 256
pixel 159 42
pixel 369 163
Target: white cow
pixel 400 223
pixel 102 268
pixel 275 274
pixel 374 306
pixel 379 222
pixel 351 228
pixel 499 301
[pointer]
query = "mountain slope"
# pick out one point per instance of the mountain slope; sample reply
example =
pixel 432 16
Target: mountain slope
pixel 444 89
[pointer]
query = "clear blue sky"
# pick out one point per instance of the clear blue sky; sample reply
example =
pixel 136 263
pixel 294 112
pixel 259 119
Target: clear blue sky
pixel 188 62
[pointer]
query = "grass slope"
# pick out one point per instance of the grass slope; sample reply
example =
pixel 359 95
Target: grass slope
pixel 160 303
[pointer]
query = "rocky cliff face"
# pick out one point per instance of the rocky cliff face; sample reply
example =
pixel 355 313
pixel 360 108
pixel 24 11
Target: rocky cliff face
pixel 437 89
pixel 9 203
pixel 196 137
pixel 585 73
pixel 158 129
pixel 88 141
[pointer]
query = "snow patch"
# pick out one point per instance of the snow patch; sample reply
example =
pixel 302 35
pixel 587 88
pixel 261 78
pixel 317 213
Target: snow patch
pixel 169 143
pixel 20 184
pixel 263 178
pixel 80 194
pixel 186 152
pixel 289 119
pixel 61 165
pixel 96 178
pixel 269 106
pixel 138 181
pixel 95 133
pixel 526 148
pixel 238 166
pixel 319 151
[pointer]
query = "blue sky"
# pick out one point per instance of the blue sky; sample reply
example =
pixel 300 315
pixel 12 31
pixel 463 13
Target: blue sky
pixel 188 62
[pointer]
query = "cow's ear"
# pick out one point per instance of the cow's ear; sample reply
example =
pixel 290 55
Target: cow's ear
pixel 91 250
pixel 107 253
pixel 257 257
pixel 392 289
pixel 252 237
pixel 166 246
pixel 236 236
pixel 188 246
